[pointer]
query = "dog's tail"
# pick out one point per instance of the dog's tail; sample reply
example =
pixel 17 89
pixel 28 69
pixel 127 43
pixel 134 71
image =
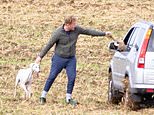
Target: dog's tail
pixel 15 89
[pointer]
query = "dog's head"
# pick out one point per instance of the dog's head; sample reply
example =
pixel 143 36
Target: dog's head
pixel 121 46
pixel 116 45
pixel 35 67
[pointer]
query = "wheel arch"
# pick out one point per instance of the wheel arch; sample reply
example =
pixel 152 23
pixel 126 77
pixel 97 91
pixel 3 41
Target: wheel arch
pixel 128 75
pixel 110 69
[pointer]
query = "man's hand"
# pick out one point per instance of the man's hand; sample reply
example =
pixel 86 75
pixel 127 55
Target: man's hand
pixel 108 34
pixel 38 60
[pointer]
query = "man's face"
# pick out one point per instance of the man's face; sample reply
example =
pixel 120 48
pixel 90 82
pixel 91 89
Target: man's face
pixel 72 25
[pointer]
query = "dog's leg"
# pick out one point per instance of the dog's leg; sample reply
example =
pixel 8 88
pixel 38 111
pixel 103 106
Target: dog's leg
pixel 15 91
pixel 16 83
pixel 25 89
pixel 29 90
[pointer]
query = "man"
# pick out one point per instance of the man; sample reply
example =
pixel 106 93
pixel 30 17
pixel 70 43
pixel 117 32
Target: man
pixel 65 38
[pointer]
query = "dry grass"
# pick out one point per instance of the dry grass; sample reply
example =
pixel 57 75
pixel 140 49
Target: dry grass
pixel 26 25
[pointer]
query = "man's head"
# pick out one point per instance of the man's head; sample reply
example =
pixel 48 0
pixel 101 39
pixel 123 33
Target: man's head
pixel 70 23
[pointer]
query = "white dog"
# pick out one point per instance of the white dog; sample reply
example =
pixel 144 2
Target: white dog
pixel 24 79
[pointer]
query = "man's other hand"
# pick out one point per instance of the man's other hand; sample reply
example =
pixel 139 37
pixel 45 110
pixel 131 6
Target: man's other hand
pixel 38 60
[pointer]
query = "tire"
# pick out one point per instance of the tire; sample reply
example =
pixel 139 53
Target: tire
pixel 113 96
pixel 127 100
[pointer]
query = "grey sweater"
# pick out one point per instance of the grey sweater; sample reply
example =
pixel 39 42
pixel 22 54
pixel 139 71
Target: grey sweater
pixel 66 41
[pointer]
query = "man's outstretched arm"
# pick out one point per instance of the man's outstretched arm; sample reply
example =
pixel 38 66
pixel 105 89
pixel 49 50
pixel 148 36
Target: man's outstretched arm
pixel 93 32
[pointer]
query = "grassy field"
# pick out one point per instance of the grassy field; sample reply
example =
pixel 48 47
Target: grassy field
pixel 26 26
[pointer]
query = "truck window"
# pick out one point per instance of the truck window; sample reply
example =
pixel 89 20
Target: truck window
pixel 140 36
pixel 133 37
pixel 128 36
pixel 151 43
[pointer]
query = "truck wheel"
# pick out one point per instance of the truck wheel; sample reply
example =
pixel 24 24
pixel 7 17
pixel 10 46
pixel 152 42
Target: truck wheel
pixel 127 100
pixel 112 93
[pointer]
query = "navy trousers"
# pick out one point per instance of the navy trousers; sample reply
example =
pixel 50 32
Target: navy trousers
pixel 59 63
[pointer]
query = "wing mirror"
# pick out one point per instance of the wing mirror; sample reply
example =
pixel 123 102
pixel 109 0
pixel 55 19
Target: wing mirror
pixel 113 46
